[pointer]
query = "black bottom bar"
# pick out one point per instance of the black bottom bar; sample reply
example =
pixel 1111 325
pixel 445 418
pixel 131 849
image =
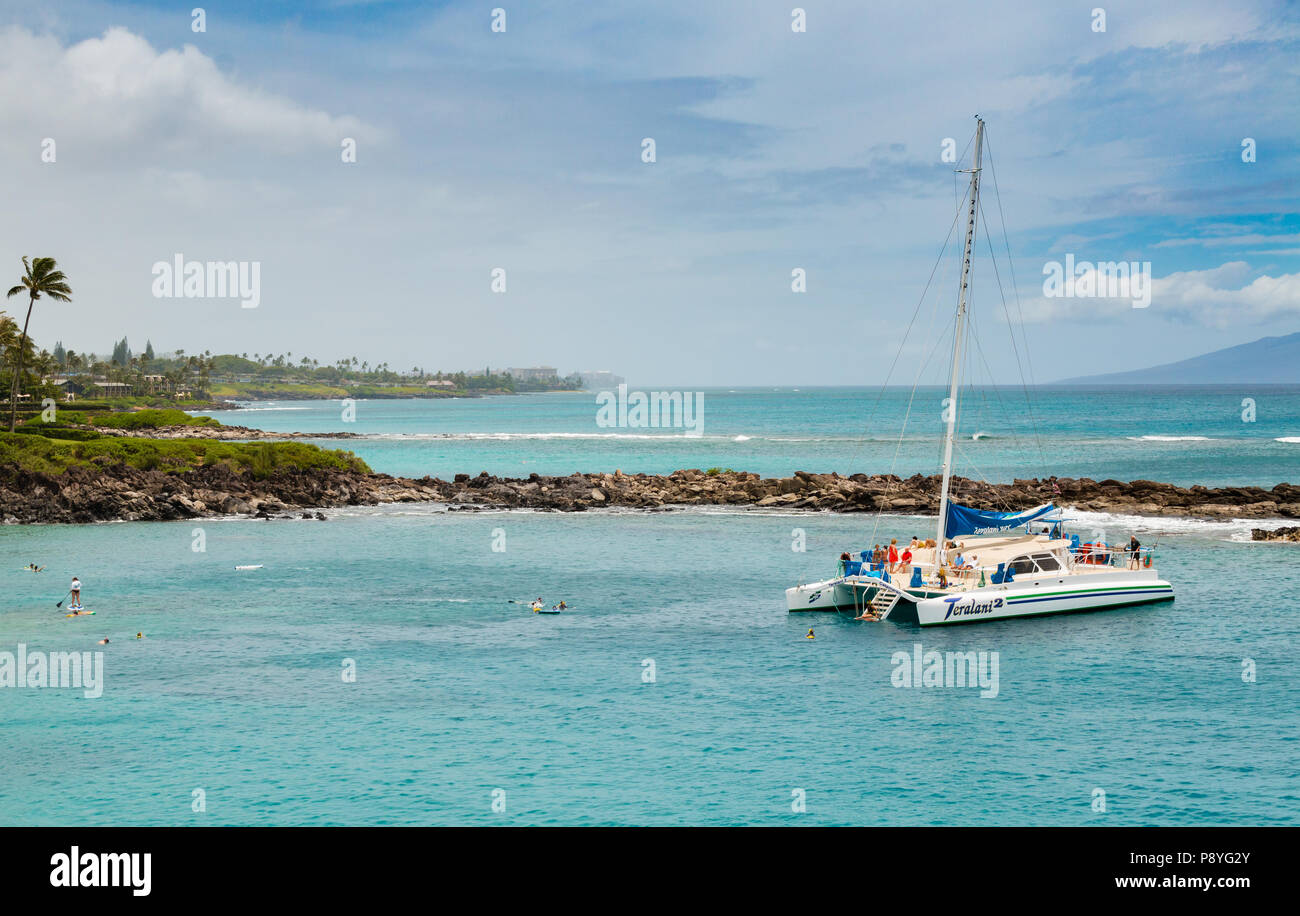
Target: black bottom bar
pixel 335 865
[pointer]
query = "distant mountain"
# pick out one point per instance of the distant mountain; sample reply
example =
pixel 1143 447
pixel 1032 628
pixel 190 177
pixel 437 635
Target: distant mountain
pixel 1267 361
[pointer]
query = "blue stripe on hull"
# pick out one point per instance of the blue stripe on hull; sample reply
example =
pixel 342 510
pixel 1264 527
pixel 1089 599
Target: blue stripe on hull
pixel 1125 591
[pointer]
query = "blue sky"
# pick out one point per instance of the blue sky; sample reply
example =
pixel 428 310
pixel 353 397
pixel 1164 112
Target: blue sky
pixel 775 150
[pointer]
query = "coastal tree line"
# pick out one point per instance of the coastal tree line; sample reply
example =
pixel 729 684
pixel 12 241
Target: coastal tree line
pixel 29 374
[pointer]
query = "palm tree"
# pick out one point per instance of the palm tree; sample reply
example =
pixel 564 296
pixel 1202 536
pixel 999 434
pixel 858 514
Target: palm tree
pixel 40 277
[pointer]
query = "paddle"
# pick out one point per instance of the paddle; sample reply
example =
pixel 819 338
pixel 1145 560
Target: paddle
pixel 65 598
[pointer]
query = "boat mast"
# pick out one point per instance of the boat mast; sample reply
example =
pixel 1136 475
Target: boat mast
pixel 958 334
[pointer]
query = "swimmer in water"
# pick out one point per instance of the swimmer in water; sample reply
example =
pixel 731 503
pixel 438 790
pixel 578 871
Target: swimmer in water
pixel 139 636
pixel 562 606
pixel 810 634
pixel 103 642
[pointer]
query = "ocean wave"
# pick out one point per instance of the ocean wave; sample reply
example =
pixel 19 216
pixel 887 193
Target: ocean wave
pixel 1292 439
pixel 1079 520
pixel 508 437
pixel 258 409
pixel 664 436
pixel 1168 438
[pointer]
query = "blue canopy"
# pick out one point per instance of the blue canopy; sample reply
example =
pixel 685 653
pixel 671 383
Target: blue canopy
pixel 965 520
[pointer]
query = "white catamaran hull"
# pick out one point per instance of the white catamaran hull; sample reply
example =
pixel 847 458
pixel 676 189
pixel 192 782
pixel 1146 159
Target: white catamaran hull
pixel 830 595
pixel 1039 597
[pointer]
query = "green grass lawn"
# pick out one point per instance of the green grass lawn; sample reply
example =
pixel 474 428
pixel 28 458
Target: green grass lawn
pixel 275 390
pixel 53 455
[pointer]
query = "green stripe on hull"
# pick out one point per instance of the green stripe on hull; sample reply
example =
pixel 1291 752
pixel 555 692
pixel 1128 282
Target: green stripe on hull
pixel 1077 610
pixel 1089 591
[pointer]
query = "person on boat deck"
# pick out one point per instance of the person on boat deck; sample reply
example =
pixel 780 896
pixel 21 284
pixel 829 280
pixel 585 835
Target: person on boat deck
pixel 879 557
pixel 906 559
pixel 893 555
pixel 1134 549
pixel 943 578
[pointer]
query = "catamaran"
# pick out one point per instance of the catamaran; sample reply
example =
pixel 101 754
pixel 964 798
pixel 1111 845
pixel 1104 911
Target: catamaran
pixel 986 565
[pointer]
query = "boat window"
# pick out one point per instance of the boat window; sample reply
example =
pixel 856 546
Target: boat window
pixel 1046 562
pixel 1021 565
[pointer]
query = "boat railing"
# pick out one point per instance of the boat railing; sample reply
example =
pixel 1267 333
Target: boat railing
pixel 1117 556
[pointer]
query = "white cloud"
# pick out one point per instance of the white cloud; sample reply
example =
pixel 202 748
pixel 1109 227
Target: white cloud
pixel 1221 296
pixel 118 91
pixel 1218 297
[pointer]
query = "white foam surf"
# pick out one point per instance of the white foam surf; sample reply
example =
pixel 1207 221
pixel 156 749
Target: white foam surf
pixel 1168 438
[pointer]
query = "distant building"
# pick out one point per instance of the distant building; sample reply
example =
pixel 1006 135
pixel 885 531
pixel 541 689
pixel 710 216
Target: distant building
pixel 600 379
pixel 534 374
pixel 440 383
pixel 112 389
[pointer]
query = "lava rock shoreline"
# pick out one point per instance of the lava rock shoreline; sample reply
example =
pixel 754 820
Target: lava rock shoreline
pixel 121 493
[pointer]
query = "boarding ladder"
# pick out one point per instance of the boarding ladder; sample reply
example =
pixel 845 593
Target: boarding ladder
pixel 883 601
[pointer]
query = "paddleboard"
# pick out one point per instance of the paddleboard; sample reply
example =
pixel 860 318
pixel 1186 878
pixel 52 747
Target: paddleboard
pixel 258 566
pixel 80 614
pixel 547 611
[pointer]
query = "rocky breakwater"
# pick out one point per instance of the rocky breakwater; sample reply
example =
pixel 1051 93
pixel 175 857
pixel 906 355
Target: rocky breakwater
pixel 85 494
pixel 1291 534
pixel 121 493
pixel 866 493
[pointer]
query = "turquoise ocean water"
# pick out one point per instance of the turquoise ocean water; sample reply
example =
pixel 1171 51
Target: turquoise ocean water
pixel 1185 435
pixel 238 690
